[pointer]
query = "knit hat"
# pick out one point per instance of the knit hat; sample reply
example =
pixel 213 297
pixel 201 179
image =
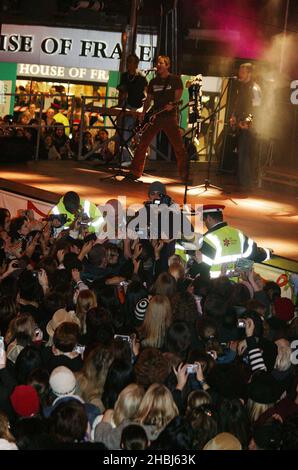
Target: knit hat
pixel 284 308
pixel 223 441
pixel 264 388
pixel 140 309
pixel 157 186
pixel 62 381
pixel 59 317
pixel 25 400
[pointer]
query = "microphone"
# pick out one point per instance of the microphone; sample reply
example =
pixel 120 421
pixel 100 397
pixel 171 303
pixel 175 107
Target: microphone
pixel 153 69
pixel 233 77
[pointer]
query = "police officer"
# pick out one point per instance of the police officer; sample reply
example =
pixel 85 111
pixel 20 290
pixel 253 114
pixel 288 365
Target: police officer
pixel 222 245
pixel 79 210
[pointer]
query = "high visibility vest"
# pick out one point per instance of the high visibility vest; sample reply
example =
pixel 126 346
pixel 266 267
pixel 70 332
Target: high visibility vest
pixel 224 246
pixel 89 208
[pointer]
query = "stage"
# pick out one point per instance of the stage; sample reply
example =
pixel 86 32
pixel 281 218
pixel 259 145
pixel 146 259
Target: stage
pixel 271 219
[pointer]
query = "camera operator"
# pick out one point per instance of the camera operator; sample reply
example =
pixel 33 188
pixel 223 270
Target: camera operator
pixel 160 221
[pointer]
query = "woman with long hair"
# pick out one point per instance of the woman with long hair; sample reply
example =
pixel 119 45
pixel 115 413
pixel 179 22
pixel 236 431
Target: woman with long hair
pixel 158 318
pixel 7 441
pixel 85 301
pixel 21 332
pixel 91 378
pixel 156 410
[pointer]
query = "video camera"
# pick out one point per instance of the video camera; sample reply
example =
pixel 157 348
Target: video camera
pixel 164 199
pixel 61 218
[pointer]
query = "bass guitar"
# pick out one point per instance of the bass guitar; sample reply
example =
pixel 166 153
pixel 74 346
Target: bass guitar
pixel 150 117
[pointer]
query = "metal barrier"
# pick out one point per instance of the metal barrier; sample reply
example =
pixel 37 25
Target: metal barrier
pixel 41 110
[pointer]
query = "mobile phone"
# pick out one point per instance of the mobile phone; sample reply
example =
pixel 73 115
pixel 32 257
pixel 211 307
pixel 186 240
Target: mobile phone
pixel 79 349
pixel 37 332
pixel 90 237
pixel 191 368
pixel 241 324
pixel 211 353
pixel 2 346
pixel 123 337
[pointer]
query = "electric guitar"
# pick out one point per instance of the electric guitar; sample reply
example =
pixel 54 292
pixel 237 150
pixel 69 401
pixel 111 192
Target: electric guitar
pixel 150 117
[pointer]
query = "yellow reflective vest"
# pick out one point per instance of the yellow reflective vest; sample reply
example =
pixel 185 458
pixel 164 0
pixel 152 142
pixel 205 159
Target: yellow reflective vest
pixel 89 208
pixel 224 245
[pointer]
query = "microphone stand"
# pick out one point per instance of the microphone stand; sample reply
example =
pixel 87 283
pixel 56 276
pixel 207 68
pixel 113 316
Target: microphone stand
pixel 207 184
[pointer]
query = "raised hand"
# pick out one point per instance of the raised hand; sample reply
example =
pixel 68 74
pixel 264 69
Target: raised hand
pixel 181 375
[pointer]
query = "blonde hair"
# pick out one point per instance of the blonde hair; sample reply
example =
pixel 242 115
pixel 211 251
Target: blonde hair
pixel 4 428
pixel 85 301
pixel 157 407
pixel 157 320
pixel 128 402
pixel 92 376
pixel 176 259
pixel 255 410
pixel 196 399
pixel 177 270
pixel 283 359
pixel 23 324
pixel 166 59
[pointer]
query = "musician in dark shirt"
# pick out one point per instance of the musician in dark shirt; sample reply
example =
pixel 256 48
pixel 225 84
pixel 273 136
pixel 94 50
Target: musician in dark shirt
pixel 132 88
pixel 247 100
pixel 164 90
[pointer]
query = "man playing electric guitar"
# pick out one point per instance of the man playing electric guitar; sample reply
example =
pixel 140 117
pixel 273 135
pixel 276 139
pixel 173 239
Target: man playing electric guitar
pixel 165 90
pixel 150 117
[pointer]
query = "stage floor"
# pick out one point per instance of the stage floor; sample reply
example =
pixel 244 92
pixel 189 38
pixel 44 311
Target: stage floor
pixel 271 219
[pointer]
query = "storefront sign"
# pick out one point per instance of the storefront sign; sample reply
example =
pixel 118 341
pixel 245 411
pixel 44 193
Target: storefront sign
pixel 77 48
pixel 63 73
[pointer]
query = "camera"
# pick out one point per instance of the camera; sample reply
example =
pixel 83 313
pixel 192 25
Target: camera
pixel 123 338
pixel 61 218
pixel 241 324
pixel 79 349
pixel 163 199
pixel 244 265
pixel 191 368
pixel 90 237
pixel 211 353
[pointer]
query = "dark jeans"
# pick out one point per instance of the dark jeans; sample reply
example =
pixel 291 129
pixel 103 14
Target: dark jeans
pixel 245 146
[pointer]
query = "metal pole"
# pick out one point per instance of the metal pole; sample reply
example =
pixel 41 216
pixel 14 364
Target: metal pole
pixel 166 34
pixel 176 36
pixel 39 127
pixel 133 26
pixel 284 37
pixel 81 128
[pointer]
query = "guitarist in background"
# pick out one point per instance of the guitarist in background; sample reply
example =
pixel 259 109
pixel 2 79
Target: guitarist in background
pixel 246 102
pixel 164 90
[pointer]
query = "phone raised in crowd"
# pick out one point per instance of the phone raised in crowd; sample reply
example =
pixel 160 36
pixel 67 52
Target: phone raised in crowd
pixel 2 346
pixel 123 337
pixel 191 368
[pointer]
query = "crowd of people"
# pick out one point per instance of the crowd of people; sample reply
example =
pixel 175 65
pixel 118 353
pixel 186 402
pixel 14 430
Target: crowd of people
pixel 120 344
pixel 59 132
